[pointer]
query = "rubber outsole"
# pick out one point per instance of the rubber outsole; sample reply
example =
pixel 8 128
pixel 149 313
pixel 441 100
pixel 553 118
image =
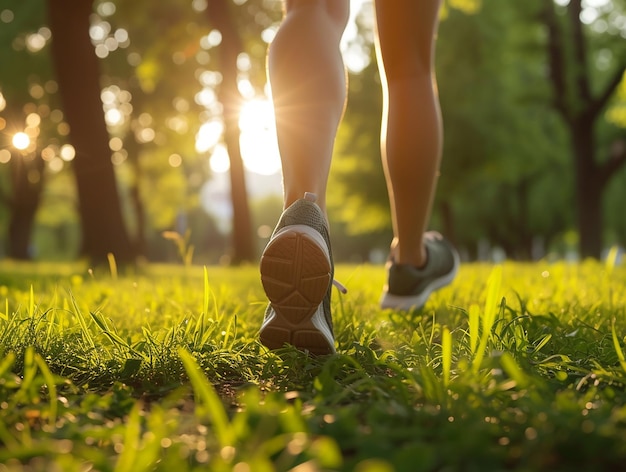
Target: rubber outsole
pixel 296 274
pixel 415 302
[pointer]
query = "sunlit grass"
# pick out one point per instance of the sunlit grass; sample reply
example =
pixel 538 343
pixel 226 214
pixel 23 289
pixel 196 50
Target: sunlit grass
pixel 519 366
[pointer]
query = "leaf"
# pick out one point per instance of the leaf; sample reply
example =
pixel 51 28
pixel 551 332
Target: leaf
pixel 542 343
pixel 7 363
pixel 493 291
pixel 206 396
pixel 52 388
pixel 513 370
pixel 618 348
pixel 446 355
pixel 474 321
pixel 82 322
pixel 131 367
pixel 611 259
pixel 5 315
pixel 128 457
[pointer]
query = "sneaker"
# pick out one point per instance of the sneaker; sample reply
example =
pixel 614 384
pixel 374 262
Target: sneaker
pixel 409 287
pixel 296 273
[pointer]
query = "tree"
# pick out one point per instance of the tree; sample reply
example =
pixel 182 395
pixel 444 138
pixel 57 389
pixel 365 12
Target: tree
pixel 190 62
pixel 27 178
pixel 26 167
pixel 506 172
pixel 572 77
pixel 220 15
pixel 103 228
pixel 499 149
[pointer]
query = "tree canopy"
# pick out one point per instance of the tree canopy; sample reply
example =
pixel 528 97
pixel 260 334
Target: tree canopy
pixel 505 70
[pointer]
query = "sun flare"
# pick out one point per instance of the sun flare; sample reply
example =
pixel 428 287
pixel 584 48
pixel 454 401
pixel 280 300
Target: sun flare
pixel 259 147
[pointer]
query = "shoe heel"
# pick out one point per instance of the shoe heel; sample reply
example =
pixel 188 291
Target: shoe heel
pixel 295 273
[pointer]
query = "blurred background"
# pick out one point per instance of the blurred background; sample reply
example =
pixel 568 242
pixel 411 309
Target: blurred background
pixel 144 129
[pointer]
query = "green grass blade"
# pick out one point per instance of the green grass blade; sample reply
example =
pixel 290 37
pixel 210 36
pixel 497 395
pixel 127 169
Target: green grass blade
pixel 491 304
pixel 7 438
pixel 611 259
pixel 6 363
pixel 207 291
pixel 112 265
pixel 494 284
pixel 474 327
pixel 5 315
pixel 542 343
pixel 446 355
pixel 31 303
pixel 52 388
pixel 28 377
pixel 128 457
pixel 513 370
pixel 83 323
pixel 51 313
pixel 207 396
pixel 230 333
pixel 112 335
pixel 618 348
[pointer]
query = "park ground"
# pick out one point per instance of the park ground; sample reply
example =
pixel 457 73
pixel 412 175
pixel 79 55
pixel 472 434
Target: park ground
pixel 518 366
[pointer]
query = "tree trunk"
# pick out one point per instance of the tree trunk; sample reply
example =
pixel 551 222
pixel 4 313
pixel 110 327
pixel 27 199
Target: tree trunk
pixel 589 191
pixel 27 176
pixel 77 71
pixel 228 94
pixel 580 109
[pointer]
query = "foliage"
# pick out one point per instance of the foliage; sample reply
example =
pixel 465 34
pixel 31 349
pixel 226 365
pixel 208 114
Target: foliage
pixel 161 369
pixel 503 143
pixel 27 87
pixel 159 78
pixel 506 174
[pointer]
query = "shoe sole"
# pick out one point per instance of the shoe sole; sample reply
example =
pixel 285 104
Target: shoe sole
pixel 415 302
pixel 296 273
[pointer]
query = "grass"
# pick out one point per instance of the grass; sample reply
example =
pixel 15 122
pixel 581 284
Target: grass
pixel 514 367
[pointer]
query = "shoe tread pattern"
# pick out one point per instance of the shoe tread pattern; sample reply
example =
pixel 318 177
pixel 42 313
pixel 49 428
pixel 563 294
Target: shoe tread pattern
pixel 295 274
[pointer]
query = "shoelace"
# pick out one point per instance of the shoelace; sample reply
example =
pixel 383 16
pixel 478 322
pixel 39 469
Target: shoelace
pixel 340 286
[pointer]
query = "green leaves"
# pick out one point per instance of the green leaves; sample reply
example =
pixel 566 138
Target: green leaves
pixel 207 400
pixel 489 316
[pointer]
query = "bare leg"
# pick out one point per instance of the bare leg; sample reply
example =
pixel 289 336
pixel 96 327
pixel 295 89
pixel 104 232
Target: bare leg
pixel 309 91
pixel 411 134
pixel 308 83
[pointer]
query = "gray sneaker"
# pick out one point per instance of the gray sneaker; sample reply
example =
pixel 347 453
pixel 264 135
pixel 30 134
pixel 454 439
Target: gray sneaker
pixel 409 287
pixel 296 273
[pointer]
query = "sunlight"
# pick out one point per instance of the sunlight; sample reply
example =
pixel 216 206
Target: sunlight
pixel 209 135
pixel 67 152
pixel 259 147
pixel 21 141
pixel 219 161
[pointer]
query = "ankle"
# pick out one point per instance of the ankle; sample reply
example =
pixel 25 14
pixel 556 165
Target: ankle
pixel 414 257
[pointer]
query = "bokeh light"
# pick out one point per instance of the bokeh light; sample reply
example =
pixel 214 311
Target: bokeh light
pixel 67 152
pixel 6 16
pixel 21 141
pixel 219 161
pixel 37 41
pixel 209 135
pixel 5 156
pixel 175 160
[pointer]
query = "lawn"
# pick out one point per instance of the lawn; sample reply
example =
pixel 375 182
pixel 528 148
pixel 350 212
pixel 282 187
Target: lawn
pixel 512 367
